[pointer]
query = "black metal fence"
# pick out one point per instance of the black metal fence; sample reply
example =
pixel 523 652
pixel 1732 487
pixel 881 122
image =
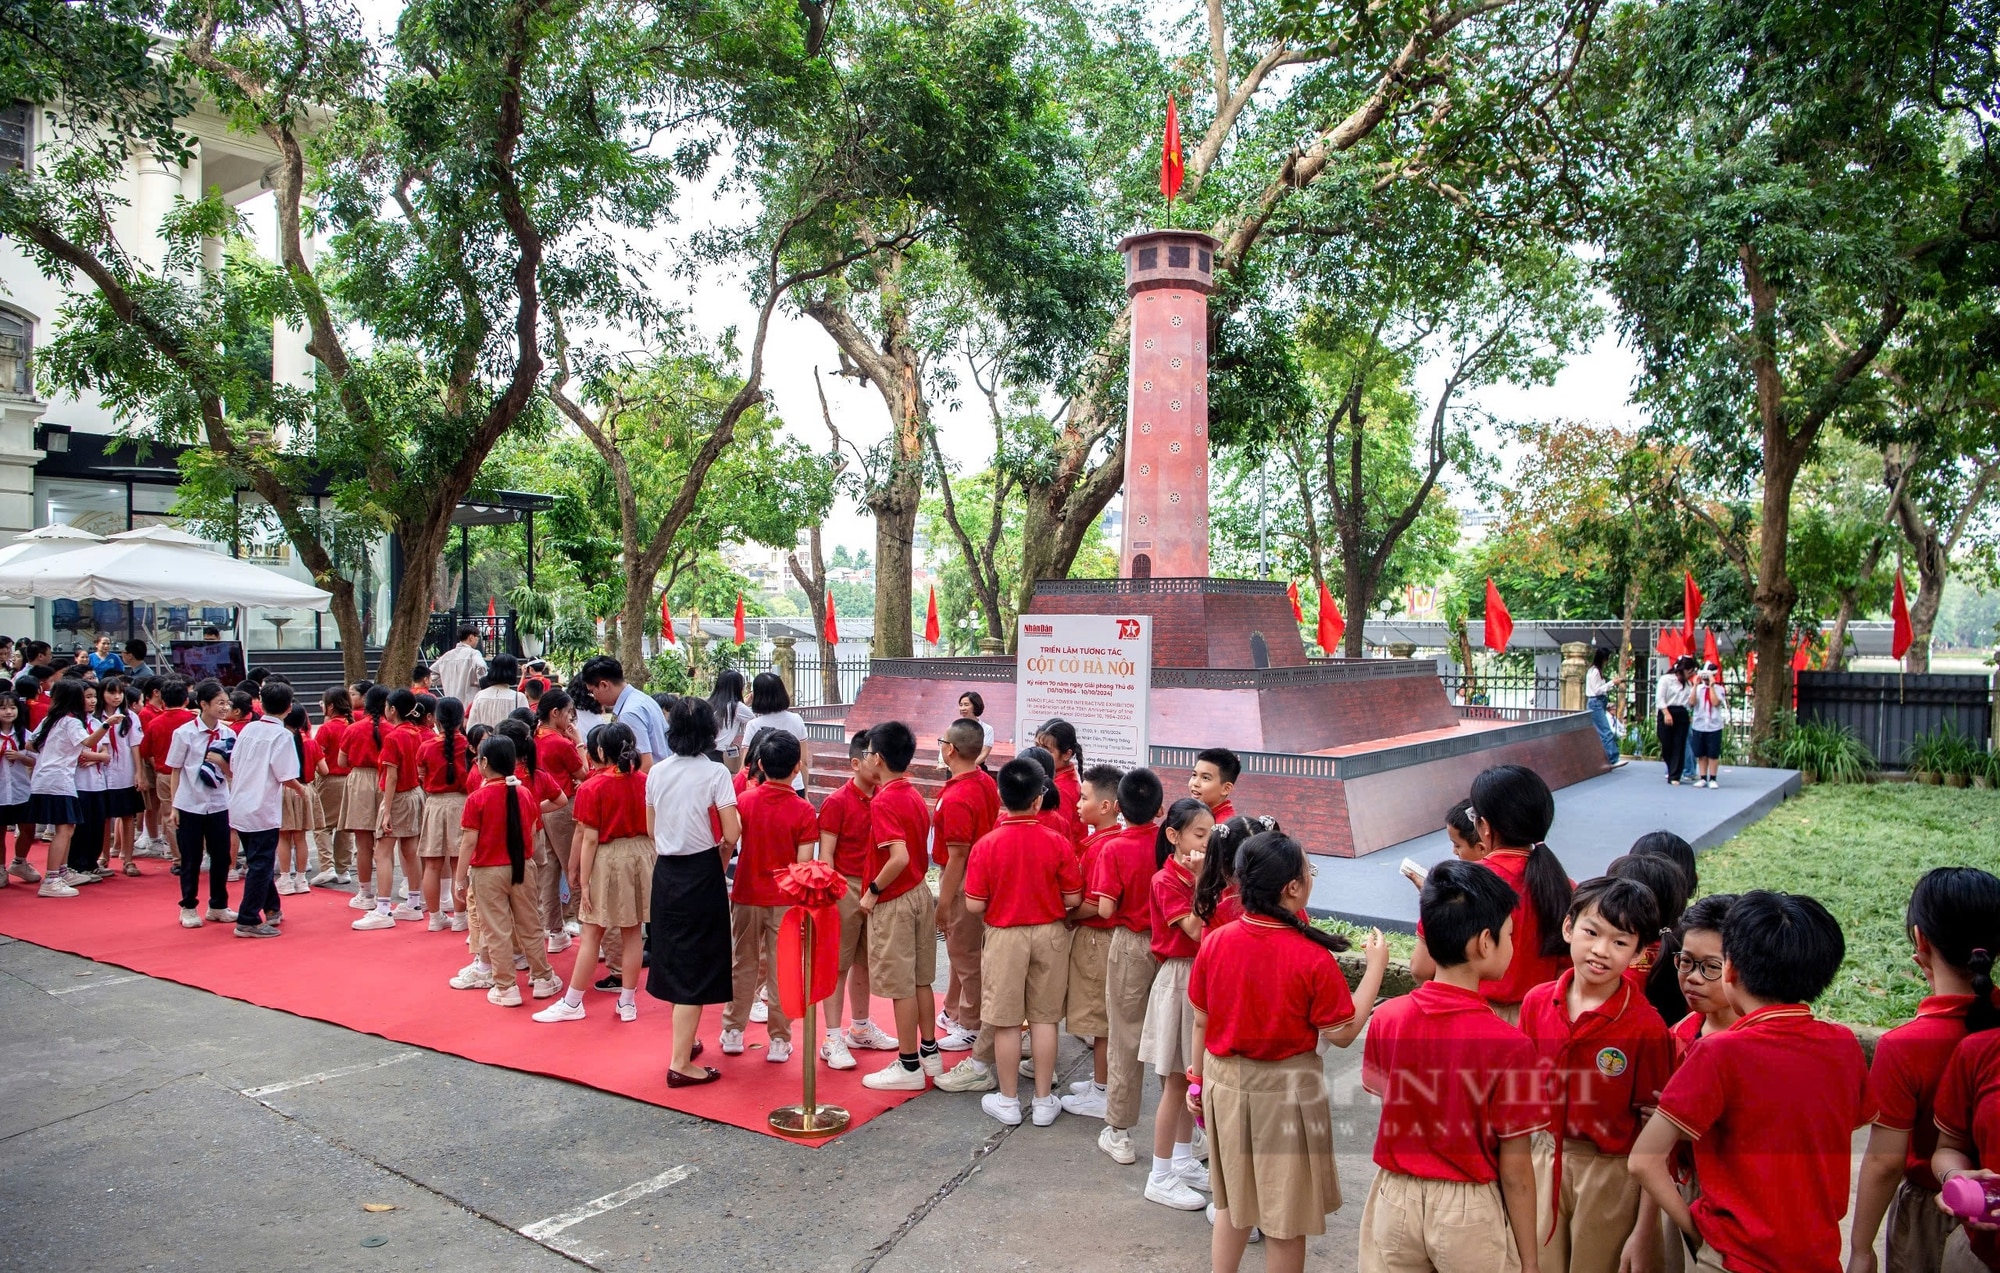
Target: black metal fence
pixel 1887 710
pixel 1502 689
pixel 496 632
pixel 808 690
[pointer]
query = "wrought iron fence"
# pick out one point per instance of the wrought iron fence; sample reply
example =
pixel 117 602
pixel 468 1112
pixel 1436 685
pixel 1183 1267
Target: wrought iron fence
pixel 808 690
pixel 1502 689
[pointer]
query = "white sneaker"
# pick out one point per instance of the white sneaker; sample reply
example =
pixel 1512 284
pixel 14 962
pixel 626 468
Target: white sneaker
pixel 55 886
pixel 460 922
pixel 870 1038
pixel 520 963
pixel 1081 1086
pixel 328 876
pixel 969 1075
pixel 932 1065
pixel 190 917
pixel 546 987
pixel 1006 1109
pixel 1045 1110
pixel 573 927
pixel 561 1010
pixel 77 879
pixel 439 921
pixel 1174 1192
pixel 1086 1104
pixel 361 902
pixel 732 1043
pixel 558 943
pixel 1117 1141
pixel 945 1022
pixel 299 882
pixel 760 1011
pixel 472 977
pixel 957 1040
pixel 407 911
pixel 1193 1174
pixel 373 921
pixel 283 885
pixel 894 1078
pixel 779 1051
pixel 1027 1067
pixel 1256 1234
pixel 235 875
pixel 834 1052
pixel 628 1011
pixel 220 915
pixel 24 872
pixel 507 996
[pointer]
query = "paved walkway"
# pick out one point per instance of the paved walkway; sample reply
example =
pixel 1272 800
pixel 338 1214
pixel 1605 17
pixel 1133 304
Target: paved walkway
pixel 1596 821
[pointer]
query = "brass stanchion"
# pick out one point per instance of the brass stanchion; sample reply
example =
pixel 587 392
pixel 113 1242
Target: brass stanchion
pixel 809 1120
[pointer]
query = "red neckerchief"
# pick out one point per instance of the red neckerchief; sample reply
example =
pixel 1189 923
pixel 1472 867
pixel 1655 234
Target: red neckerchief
pixel 1623 998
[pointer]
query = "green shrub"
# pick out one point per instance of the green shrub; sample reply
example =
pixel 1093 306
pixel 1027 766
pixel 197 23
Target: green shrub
pixel 1830 751
pixel 667 672
pixel 1945 750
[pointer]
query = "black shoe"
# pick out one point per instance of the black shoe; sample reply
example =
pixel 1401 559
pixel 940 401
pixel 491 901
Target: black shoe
pixel 610 982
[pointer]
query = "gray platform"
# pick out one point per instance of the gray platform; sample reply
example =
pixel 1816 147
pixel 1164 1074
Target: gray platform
pixel 1596 821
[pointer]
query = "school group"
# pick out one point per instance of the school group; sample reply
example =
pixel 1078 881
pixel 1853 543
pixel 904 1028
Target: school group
pixel 1601 1075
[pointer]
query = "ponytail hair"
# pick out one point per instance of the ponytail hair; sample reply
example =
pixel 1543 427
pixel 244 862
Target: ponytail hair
pixel 374 703
pixel 498 753
pixel 65 699
pixel 1957 909
pixel 1063 735
pixel 297 721
pixel 1184 811
pixel 1042 757
pixel 1265 863
pixel 1220 867
pixel 1518 809
pixel 614 744
pixel 524 744
pixel 451 730
pixel 404 702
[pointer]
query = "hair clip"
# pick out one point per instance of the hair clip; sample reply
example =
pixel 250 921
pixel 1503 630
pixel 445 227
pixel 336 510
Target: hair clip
pixel 1979 952
pixel 1266 821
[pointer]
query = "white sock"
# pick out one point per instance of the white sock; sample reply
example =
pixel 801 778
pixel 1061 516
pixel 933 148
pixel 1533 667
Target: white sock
pixel 628 998
pixel 1183 1152
pixel 859 1023
pixel 833 1034
pixel 574 997
pixel 479 962
pixel 383 905
pixel 1098 1088
pixel 1162 1167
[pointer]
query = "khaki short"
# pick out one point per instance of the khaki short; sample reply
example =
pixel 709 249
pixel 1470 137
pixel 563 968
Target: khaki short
pixel 1413 1225
pixel 1083 1006
pixel 163 781
pixel 1918 1231
pixel 440 834
pixel 406 814
pixel 1587 1226
pixel 902 944
pixel 1023 975
pixel 853 926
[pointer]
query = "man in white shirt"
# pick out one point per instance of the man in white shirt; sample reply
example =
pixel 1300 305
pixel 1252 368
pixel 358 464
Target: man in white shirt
pixel 264 764
pixel 458 670
pixel 197 816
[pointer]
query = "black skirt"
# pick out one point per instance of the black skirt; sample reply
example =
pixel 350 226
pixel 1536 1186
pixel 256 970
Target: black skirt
pixel 687 931
pixel 122 802
pixel 55 811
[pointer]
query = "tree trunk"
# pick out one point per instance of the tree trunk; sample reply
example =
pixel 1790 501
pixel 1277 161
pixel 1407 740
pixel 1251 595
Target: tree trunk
pixel 1933 564
pixel 1635 585
pixel 814 586
pixel 1771 628
pixel 1358 582
pixel 411 614
pixel 632 626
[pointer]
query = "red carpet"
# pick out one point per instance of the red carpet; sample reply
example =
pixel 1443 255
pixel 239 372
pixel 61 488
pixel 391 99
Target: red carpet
pixel 317 968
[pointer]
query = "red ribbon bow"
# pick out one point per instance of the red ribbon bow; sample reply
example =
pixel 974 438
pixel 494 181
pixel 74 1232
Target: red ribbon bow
pixel 812 884
pixel 808 974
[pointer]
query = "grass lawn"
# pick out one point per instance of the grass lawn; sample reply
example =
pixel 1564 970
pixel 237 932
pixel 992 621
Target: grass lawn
pixel 1859 850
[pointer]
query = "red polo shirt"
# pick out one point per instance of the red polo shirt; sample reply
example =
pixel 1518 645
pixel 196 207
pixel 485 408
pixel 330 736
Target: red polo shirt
pixel 1268 991
pixel 1068 792
pixel 1455 1080
pixel 1021 870
pixel 1685 1033
pixel 844 814
pixel 1968 1106
pixel 1772 1103
pixel 962 815
pixel 1605 1065
pixel 612 804
pixel 400 747
pixel 330 735
pixel 1223 812
pixel 1529 968
pixel 776 821
pixel 897 813
pixel 486 813
pixel 431 766
pixel 358 743
pixel 1092 849
pixel 559 758
pixel 1902 1084
pixel 1173 898
pixel 1123 872
pixel 1228 907
pixel 159 732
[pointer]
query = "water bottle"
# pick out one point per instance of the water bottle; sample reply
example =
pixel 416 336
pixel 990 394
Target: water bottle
pixel 1972 1199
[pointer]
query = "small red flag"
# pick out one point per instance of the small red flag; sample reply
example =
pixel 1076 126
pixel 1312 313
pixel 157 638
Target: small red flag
pixel 1298 611
pixel 1499 624
pixel 1331 626
pixel 1690 598
pixel 931 629
pixel 739 634
pixel 832 621
pixel 666 620
pixel 1801 657
pixel 1899 611
pixel 1172 169
pixel 492 610
pixel 1669 644
pixel 1710 652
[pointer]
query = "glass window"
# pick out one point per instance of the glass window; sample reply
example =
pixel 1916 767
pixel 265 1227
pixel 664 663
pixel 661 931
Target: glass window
pixel 16 139
pixel 17 338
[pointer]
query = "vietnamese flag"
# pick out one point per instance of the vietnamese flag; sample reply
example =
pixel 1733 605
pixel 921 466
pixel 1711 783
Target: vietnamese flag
pixel 1801 657
pixel 1331 626
pixel 1691 599
pixel 492 610
pixel 1899 611
pixel 1710 652
pixel 832 632
pixel 1172 169
pixel 1292 593
pixel 666 620
pixel 739 633
pixel 931 630
pixel 1750 666
pixel 1499 624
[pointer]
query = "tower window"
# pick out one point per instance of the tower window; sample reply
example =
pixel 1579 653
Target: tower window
pixel 14 136
pixel 1142 566
pixel 16 339
pixel 1177 257
pixel 1149 258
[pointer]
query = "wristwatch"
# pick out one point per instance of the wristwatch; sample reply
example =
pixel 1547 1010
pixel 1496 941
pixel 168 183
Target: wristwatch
pixel 874 889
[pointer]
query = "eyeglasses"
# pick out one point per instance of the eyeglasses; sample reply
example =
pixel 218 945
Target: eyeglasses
pixel 1312 872
pixel 1710 969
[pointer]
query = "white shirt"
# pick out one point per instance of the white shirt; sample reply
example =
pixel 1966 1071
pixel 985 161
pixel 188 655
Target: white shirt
pixel 458 671
pixel 90 776
pixel 587 719
pixel 265 757
pixel 1594 684
pixel 681 790
pixel 729 733
pixel 1707 707
pixel 793 724
pixel 55 763
pixel 15 775
pixel 118 769
pixel 1672 693
pixel 492 705
pixel 184 752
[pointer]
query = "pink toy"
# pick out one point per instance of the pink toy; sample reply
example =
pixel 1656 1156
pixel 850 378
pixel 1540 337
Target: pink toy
pixel 1973 1199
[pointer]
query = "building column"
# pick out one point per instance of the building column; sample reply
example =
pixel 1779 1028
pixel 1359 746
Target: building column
pixel 1575 663
pixel 18 417
pixel 785 659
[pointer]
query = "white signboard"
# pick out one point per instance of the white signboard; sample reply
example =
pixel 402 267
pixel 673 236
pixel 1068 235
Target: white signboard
pixel 1094 671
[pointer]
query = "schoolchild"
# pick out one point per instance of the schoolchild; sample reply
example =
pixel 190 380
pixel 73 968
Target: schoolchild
pixel 612 864
pixel 498 825
pixel 902 950
pixel 336 842
pixel 1213 778
pixel 62 743
pixel 963 815
pixel 1090 946
pixel 1120 886
pixel 1968 1120
pixel 844 841
pixel 1166 1043
pixel 780 828
pixel 446 764
pixel 1058 738
pixel 362 807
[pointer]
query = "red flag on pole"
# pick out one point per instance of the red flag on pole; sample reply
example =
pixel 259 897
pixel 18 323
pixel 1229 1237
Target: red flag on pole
pixel 1899 611
pixel 492 610
pixel 739 634
pixel 1172 170
pixel 1691 599
pixel 931 629
pixel 1801 657
pixel 832 621
pixel 1750 666
pixel 1298 611
pixel 666 620
pixel 1331 626
pixel 1499 624
pixel 1710 652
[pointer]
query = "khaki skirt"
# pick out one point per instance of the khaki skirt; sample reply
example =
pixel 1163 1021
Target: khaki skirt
pixel 1167 1042
pixel 361 804
pixel 621 884
pixel 442 811
pixel 301 812
pixel 406 813
pixel 1270 1143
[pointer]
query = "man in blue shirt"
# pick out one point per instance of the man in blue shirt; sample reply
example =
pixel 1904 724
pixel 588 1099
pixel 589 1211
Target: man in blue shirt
pixel 604 677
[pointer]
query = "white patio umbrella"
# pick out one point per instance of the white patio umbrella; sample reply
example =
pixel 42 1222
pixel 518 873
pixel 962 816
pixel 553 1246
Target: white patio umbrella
pixel 159 564
pixel 46 541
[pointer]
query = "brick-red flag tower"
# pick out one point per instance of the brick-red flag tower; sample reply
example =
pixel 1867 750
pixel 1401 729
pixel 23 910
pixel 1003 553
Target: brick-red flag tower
pixel 1168 274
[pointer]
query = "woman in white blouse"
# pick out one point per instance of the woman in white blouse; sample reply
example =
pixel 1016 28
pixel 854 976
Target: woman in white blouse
pixel 771 708
pixel 1599 684
pixel 498 695
pixel 1674 694
pixel 732 717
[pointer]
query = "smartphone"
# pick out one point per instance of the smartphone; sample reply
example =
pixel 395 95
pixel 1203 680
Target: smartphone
pixel 1414 873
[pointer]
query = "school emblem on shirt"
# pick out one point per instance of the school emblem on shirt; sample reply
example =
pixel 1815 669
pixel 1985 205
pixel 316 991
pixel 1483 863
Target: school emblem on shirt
pixel 1611 1063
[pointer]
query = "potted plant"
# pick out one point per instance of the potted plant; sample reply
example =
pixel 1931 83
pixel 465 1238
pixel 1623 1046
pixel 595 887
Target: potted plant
pixel 1987 770
pixel 534 615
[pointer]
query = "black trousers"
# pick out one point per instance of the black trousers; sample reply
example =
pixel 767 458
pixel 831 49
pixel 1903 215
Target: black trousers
pixel 260 886
pixel 199 834
pixel 1674 742
pixel 86 843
